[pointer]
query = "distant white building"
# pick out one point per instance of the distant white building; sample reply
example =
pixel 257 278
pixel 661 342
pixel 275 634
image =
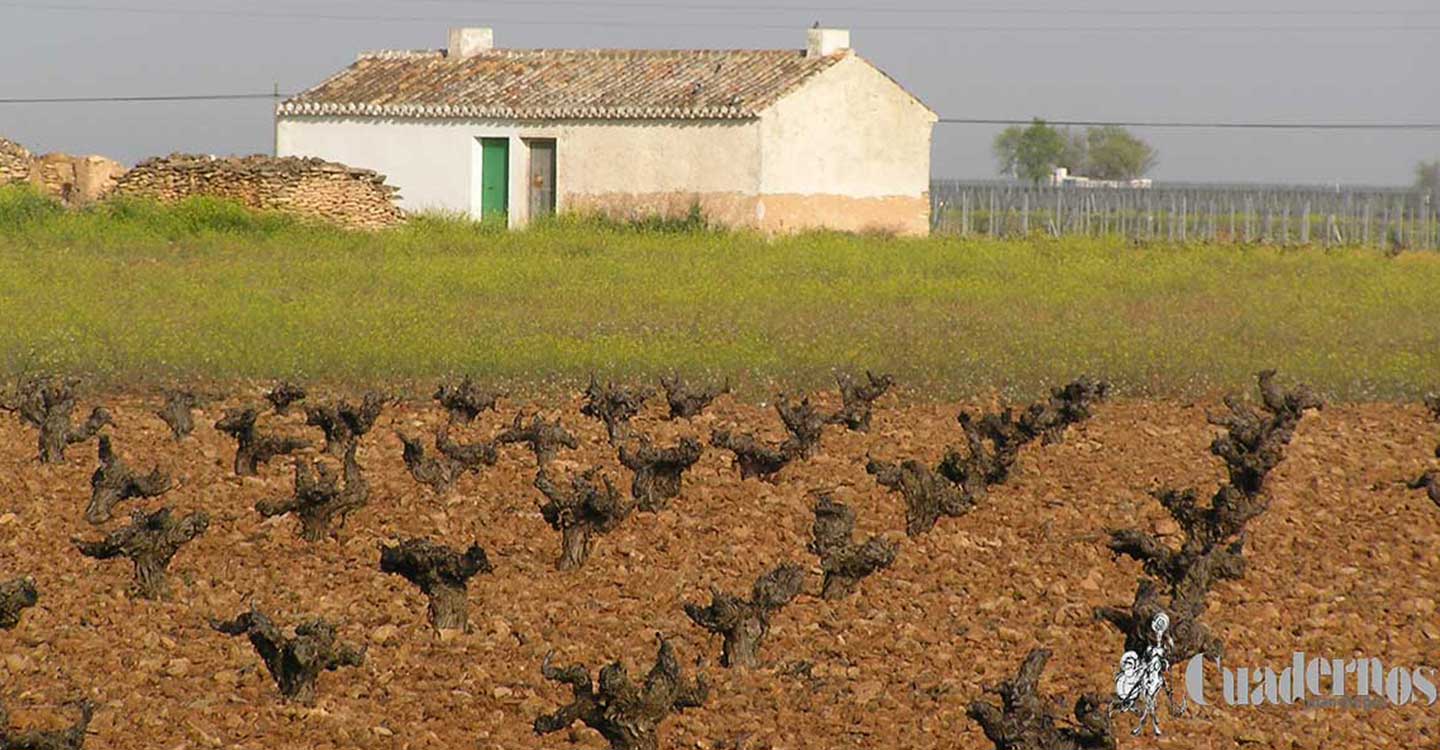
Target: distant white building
pixel 1061 177
pixel 776 140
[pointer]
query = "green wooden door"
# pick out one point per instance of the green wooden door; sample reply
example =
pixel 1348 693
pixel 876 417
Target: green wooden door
pixel 494 177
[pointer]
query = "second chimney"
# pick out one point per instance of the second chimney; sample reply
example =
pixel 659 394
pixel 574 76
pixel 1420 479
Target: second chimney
pixel 469 42
pixel 825 42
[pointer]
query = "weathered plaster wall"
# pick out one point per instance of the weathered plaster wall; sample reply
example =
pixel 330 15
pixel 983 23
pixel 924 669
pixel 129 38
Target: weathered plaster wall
pixel 853 133
pixel 436 164
pixel 731 209
pixel 894 214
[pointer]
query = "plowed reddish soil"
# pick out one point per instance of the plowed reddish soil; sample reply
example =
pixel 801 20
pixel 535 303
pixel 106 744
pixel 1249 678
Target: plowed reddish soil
pixel 1336 569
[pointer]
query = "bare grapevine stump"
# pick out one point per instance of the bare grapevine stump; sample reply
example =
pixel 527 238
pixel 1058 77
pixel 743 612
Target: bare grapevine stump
pixel 1430 482
pixel 254 448
pixel 1189 635
pixel 295 662
pixel 72 738
pixel 627 715
pixel 995 439
pixel 283 395
pixel 615 405
pixel 177 412
pixel 1068 405
pixel 580 511
pixel 16 596
pixel 1255 439
pixel 435 472
pixel 343 422
pixel 755 459
pixel 441 573
pixel 320 501
pixel 928 494
pixel 658 471
pixel 46 404
pixel 1025 719
pixel 115 482
pixel 1212 549
pixel 470 456
pixel 544 438
pixel 843 561
pixel 1214 535
pixel 858 399
pixel 150 542
pixel 961 480
pixel 686 403
pixel 744 623
pixel 464 401
pixel 804 423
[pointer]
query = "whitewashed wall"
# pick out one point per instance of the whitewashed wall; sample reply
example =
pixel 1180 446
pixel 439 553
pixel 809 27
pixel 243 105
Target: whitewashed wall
pixel 850 131
pixel 436 163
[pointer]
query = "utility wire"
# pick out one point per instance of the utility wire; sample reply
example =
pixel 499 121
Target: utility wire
pixel 1204 125
pixel 162 98
pixel 1186 28
pixel 1196 125
pixel 972 11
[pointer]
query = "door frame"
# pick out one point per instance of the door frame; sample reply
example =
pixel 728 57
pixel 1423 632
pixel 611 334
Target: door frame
pixel 554 144
pixel 519 169
pixel 492 144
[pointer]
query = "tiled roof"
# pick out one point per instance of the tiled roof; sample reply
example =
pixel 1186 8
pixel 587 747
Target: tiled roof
pixel 563 84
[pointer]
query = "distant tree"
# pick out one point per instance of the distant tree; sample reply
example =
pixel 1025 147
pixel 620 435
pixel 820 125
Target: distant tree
pixel 1427 176
pixel 1113 153
pixel 1076 155
pixel 1030 153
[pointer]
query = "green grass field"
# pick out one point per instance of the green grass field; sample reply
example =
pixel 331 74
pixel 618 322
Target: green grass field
pixel 135 294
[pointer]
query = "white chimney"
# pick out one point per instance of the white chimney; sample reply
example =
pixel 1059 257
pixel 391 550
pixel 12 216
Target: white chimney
pixel 469 42
pixel 823 42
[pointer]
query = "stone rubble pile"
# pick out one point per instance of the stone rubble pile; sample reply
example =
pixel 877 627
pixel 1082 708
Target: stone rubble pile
pixel 349 197
pixel 75 180
pixel 14 162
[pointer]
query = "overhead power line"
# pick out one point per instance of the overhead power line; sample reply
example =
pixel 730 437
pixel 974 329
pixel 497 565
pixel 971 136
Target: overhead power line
pixel 1178 124
pixel 1199 125
pixel 970 11
pixel 968 28
pixel 161 98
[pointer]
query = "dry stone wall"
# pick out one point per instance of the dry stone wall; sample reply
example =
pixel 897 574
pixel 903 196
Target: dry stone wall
pixel 349 197
pixel 14 162
pixel 75 180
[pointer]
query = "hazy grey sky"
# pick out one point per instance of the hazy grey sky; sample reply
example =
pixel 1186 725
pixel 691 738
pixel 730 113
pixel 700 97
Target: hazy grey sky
pixel 1261 60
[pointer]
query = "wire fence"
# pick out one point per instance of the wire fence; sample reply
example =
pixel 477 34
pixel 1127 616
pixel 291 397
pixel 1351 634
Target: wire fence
pixel 1388 218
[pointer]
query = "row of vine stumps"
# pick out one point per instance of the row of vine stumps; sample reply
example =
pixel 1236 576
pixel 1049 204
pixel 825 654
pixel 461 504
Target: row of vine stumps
pixel 584 504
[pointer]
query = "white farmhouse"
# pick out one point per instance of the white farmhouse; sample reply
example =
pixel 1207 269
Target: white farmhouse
pixel 776 140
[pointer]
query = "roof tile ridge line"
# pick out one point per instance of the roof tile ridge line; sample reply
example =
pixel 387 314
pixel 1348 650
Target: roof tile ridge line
pixel 544 113
pixel 584 51
pixel 399 54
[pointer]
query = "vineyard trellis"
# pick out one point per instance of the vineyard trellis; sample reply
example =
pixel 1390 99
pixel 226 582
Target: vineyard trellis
pixel 1387 218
